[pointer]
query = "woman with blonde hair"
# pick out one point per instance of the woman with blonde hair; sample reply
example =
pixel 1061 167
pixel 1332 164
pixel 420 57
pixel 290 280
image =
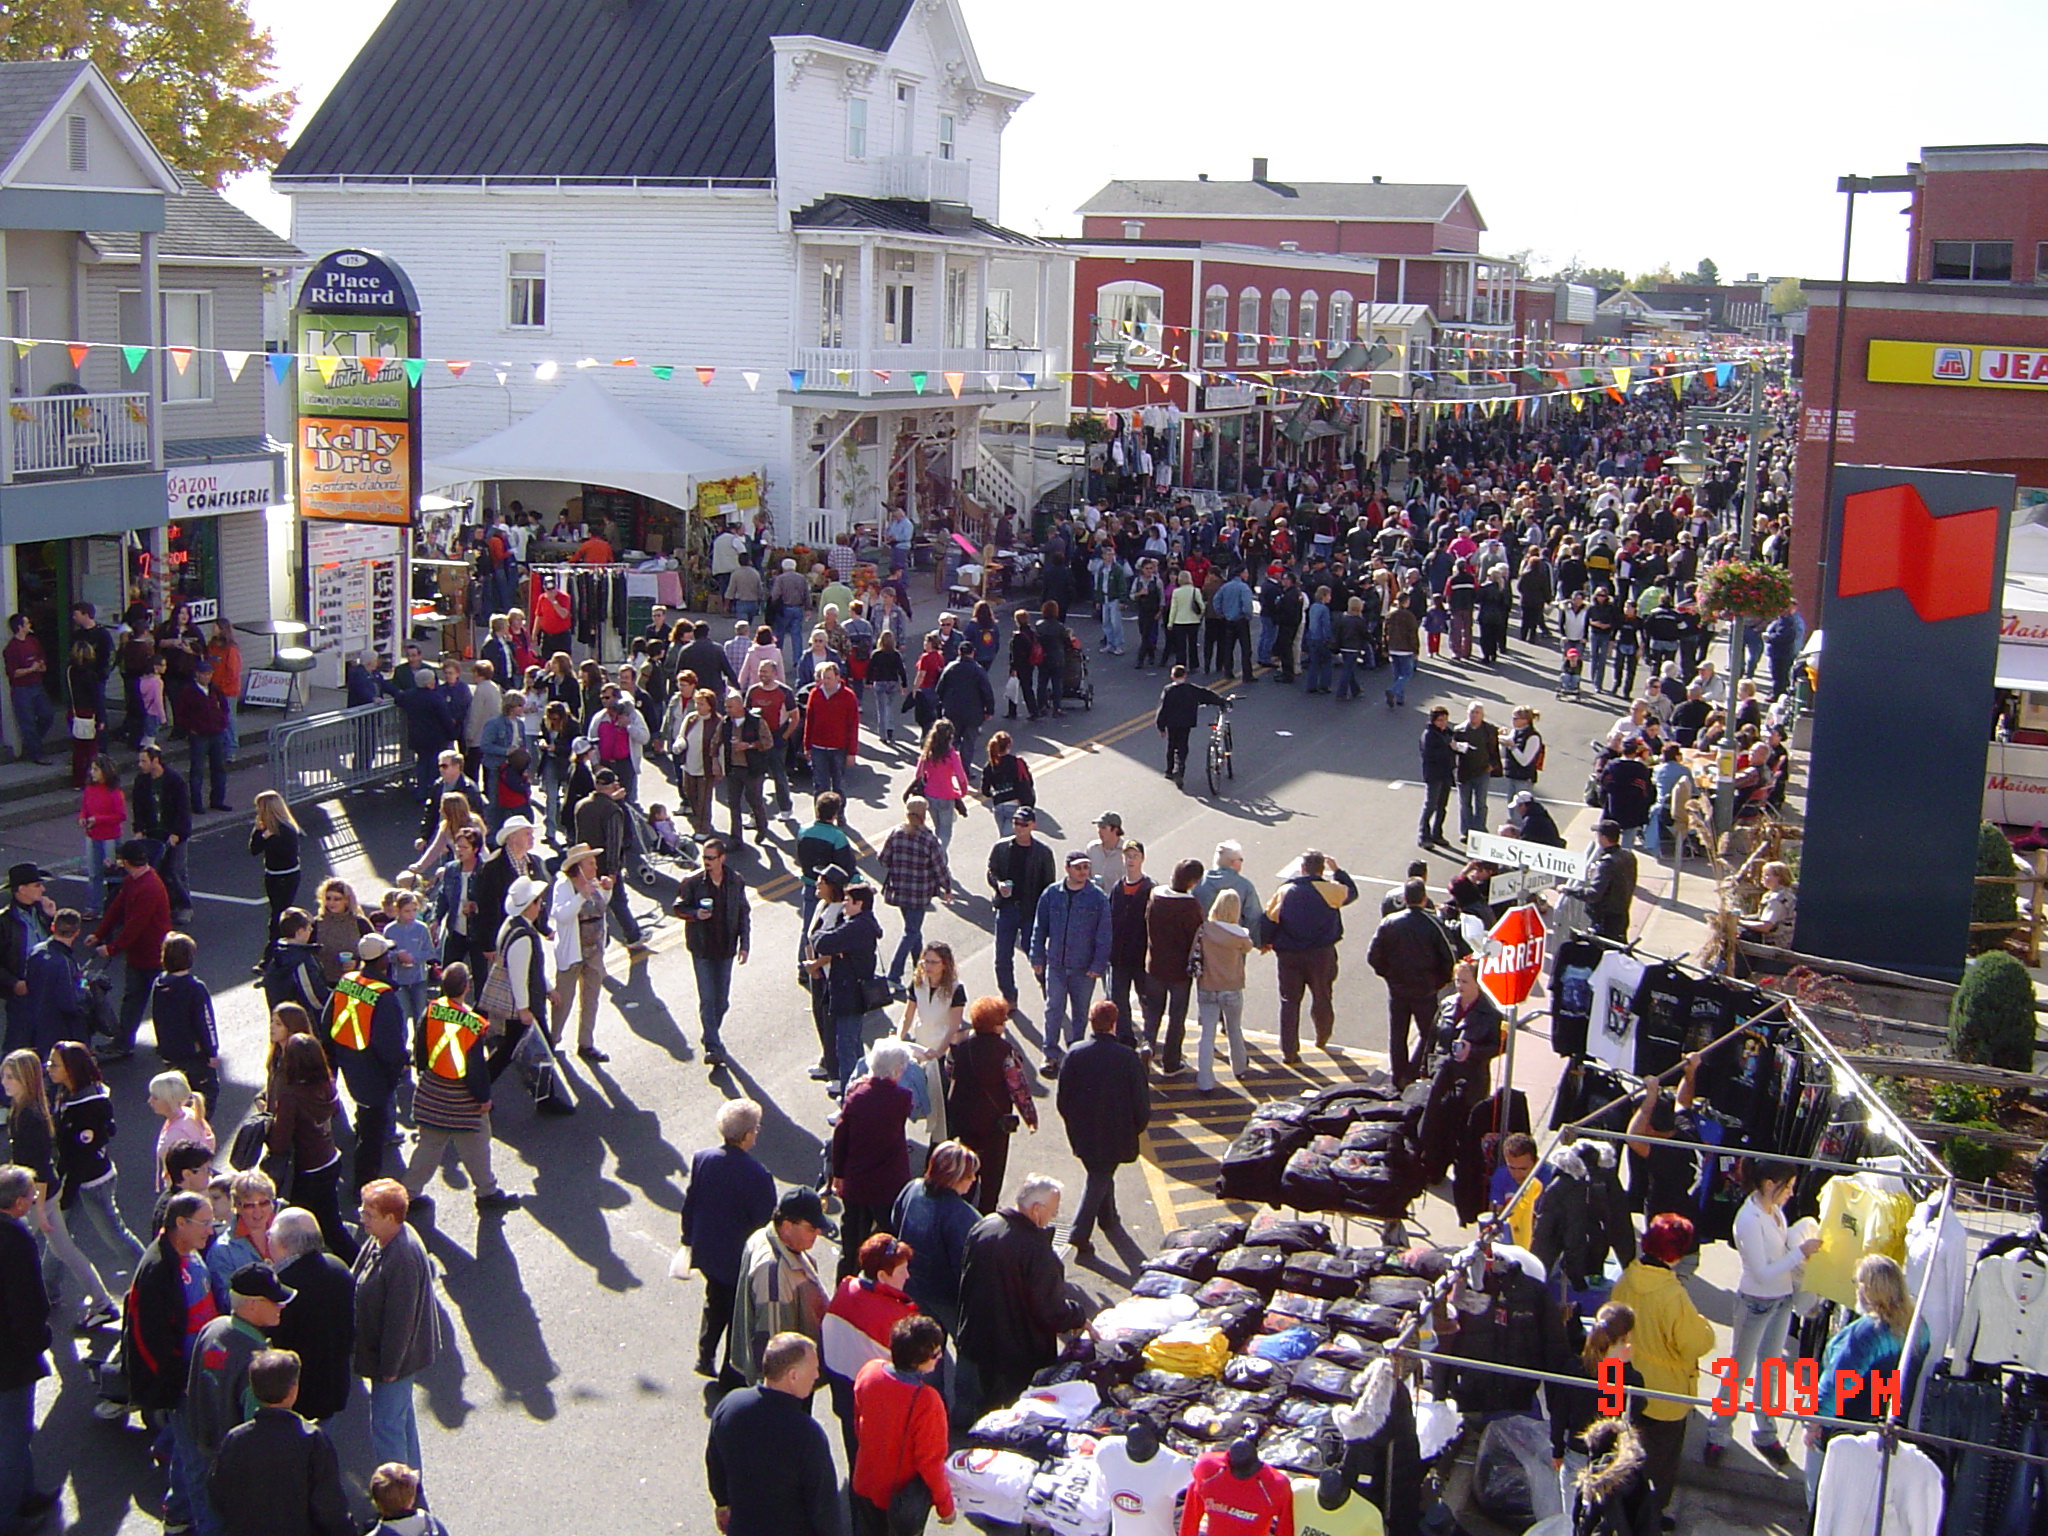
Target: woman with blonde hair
pixel 932 1025
pixel 31 1138
pixel 1221 944
pixel 336 927
pixel 1870 1346
pixel 456 813
pixel 275 840
pixel 183 1111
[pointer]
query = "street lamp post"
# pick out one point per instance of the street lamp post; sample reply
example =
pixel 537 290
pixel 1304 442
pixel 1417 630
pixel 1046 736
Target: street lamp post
pixel 1690 464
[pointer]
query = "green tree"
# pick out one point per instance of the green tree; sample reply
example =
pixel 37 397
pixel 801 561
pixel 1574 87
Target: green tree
pixel 196 74
pixel 1593 277
pixel 1996 900
pixel 1787 296
pixel 1706 273
pixel 1991 1016
pixel 1649 280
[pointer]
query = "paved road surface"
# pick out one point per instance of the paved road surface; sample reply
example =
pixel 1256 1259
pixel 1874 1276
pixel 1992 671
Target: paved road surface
pixel 570 1348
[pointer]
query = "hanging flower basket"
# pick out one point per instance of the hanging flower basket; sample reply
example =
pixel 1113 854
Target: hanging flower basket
pixel 1746 589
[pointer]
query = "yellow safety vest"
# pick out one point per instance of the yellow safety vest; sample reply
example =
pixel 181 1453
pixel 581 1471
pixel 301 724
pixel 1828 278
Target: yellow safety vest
pixel 451 1032
pixel 350 1009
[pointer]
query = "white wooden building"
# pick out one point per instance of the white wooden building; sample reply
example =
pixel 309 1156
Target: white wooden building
pixel 801 191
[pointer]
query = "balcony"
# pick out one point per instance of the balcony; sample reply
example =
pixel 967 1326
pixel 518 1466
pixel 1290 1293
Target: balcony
pixel 860 371
pixel 925 178
pixel 76 434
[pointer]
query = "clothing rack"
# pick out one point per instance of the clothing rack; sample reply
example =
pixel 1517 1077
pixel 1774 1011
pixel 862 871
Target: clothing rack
pixel 555 576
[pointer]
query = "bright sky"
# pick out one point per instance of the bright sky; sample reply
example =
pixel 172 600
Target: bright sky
pixel 1625 136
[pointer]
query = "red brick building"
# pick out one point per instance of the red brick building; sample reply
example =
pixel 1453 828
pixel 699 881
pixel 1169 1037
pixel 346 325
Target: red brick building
pixel 1949 369
pixel 1182 326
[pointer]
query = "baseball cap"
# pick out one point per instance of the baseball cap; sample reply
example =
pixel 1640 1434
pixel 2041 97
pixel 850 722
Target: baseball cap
pixel 1078 857
pixel 19 875
pixel 373 946
pixel 804 1205
pixel 1024 813
pixel 1524 798
pixel 579 746
pixel 1110 819
pixel 260 1280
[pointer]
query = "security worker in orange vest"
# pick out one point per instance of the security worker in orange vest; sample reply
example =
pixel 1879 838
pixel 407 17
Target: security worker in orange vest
pixel 366 1034
pixel 452 1102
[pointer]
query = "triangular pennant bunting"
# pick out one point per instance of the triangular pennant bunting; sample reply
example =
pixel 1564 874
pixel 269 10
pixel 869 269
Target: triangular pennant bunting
pixel 797 377
pixel 704 375
pixel 918 379
pixel 954 381
pixel 234 362
pixel 753 379
pixel 458 368
pixel 373 368
pixel 133 357
pixel 280 364
pixel 1621 378
pixel 80 351
pixel 327 363
pixel 415 370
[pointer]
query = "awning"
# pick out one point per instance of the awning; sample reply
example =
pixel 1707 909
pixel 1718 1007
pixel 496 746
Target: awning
pixel 2024 667
pixel 586 436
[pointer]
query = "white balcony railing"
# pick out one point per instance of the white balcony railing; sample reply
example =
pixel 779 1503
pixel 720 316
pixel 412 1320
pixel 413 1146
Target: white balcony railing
pixel 925 178
pixel 861 371
pixel 77 434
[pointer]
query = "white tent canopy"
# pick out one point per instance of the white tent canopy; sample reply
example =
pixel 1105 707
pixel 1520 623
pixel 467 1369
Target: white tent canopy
pixel 585 435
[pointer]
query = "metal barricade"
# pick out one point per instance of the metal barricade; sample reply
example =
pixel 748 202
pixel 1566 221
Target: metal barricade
pixel 323 755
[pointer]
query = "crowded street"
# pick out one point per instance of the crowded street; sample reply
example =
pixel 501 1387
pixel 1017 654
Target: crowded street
pixel 737 799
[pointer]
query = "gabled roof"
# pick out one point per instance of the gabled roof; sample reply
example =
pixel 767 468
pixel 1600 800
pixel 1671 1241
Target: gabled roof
pixel 595 89
pixel 1407 202
pixel 32 89
pixel 29 88
pixel 901 216
pixel 200 223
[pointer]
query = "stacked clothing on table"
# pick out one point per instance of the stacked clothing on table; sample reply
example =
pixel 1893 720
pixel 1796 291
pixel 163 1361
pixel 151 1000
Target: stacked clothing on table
pixel 1351 1148
pixel 1267 1330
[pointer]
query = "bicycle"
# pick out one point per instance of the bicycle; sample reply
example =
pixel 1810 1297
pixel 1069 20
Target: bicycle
pixel 1220 764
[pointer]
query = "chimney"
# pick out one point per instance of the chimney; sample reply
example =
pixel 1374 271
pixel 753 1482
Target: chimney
pixel 1375 181
pixel 1259 169
pixel 1201 175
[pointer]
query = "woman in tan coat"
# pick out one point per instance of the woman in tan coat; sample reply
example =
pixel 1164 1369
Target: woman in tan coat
pixel 1220 949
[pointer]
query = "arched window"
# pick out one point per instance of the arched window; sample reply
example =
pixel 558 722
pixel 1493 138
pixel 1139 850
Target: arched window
pixel 1248 328
pixel 1131 314
pixel 1305 323
pixel 1215 322
pixel 1340 323
pixel 1282 317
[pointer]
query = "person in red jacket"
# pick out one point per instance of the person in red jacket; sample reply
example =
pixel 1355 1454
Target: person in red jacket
pixel 136 923
pixel 901 1423
pixel 831 730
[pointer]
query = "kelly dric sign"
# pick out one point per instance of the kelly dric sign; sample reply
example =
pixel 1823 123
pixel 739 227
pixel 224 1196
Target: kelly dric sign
pixel 355 471
pixel 357 441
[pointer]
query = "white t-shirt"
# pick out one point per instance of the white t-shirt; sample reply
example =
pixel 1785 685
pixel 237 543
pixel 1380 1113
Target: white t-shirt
pixel 1611 1032
pixel 1144 1496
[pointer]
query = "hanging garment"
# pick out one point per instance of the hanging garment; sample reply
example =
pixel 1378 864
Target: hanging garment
pixel 2004 1320
pixel 1855 1219
pixel 1356 1516
pixel 1971 1411
pixel 1663 1009
pixel 1223 1504
pixel 1571 994
pixel 1846 1504
pixel 1937 1256
pixel 1144 1496
pixel 1611 1025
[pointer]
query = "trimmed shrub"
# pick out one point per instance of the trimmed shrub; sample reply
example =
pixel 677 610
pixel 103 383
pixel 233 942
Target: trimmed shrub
pixel 1991 1016
pixel 1993 903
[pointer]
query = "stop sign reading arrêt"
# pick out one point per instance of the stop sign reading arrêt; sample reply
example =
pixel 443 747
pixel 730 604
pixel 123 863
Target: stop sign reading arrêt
pixel 1514 957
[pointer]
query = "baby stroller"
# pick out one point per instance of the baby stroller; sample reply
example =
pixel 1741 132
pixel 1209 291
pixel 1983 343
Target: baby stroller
pixel 650 860
pixel 1075 685
pixel 1568 674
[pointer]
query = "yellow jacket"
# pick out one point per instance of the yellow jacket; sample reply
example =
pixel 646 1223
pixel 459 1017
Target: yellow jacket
pixel 1670 1335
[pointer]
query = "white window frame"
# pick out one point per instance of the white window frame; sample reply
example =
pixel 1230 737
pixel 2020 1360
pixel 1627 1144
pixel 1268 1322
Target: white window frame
pixel 522 287
pixel 903 121
pixel 1306 319
pixel 195 385
pixel 998 318
pixel 832 302
pixel 1248 333
pixel 958 298
pixel 1132 311
pixel 856 127
pixel 1215 325
pixel 949 143
pixel 1280 315
pixel 1340 322
pixel 899 310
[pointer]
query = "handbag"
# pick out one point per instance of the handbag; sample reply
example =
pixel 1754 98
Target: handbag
pixel 247 1149
pixel 874 994
pixel 84 728
pixel 911 1505
pixel 496 999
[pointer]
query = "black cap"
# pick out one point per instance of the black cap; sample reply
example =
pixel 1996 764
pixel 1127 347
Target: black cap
pixel 804 1205
pixel 1024 813
pixel 19 875
pixel 260 1280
